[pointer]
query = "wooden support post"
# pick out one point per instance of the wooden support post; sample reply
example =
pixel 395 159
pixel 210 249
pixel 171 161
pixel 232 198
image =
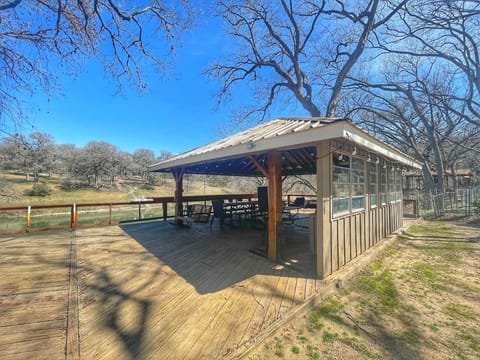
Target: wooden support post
pixel 324 223
pixel 165 210
pixel 178 176
pixel 274 202
pixel 29 218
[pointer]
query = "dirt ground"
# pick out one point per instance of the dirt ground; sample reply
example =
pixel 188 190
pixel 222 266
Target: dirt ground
pixel 419 300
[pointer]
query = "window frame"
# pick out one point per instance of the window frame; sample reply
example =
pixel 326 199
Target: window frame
pixel 373 194
pixel 341 204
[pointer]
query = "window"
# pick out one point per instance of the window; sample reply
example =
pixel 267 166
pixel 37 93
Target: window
pixel 372 187
pixel 391 183
pixel 358 184
pixel 341 184
pixel 398 184
pixel 348 184
pixel 383 184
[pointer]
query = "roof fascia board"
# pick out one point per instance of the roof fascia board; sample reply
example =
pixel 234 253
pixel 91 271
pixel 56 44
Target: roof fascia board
pixel 367 141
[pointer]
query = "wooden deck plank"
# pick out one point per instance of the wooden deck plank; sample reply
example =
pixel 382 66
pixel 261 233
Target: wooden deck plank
pixel 225 313
pixel 246 305
pixel 145 290
pixel 187 309
pixel 263 298
pixel 223 320
pixel 33 296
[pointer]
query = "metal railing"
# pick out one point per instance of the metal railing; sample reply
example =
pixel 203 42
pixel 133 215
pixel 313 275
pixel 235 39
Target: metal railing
pixel 460 202
pixel 32 218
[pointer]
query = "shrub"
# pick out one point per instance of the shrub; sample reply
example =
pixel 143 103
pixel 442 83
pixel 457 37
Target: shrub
pixel 70 185
pixel 39 189
pixel 476 207
pixel 147 187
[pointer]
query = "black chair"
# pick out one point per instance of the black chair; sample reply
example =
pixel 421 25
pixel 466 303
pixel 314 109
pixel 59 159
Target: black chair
pixel 298 202
pixel 219 212
pixel 262 210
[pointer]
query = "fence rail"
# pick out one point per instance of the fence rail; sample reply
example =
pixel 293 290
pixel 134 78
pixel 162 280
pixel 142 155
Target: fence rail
pixel 32 218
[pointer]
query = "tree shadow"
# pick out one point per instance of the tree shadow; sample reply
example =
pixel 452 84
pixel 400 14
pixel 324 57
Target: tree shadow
pixel 116 304
pixel 96 284
pixel 206 252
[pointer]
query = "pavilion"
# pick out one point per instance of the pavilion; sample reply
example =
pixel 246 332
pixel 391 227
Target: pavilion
pixel 359 180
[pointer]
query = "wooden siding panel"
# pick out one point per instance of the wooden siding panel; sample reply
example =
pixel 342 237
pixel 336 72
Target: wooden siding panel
pixel 347 233
pixel 353 236
pixel 358 232
pixel 335 247
pixel 341 242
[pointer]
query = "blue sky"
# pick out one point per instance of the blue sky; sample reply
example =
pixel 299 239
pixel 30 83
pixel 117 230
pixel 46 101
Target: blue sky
pixel 176 113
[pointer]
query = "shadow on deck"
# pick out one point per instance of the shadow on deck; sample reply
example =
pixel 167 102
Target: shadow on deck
pixel 144 290
pixel 205 250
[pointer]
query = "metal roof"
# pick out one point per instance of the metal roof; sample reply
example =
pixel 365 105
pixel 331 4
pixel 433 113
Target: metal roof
pixel 295 138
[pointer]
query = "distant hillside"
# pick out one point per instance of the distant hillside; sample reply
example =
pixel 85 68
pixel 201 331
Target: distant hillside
pixel 15 189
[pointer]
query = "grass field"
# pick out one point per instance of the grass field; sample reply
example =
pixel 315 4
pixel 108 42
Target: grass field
pixel 15 186
pixel 419 300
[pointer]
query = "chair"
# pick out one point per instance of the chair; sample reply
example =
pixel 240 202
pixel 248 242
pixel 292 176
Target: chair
pixel 287 216
pixel 196 214
pixel 262 210
pixel 219 212
pixel 298 202
pixel 311 204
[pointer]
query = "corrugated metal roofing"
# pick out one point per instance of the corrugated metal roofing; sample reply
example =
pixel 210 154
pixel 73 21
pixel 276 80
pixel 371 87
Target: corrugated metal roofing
pixel 277 127
pixel 297 136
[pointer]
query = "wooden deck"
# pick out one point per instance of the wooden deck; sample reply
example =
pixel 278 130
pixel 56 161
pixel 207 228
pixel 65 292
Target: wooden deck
pixel 140 291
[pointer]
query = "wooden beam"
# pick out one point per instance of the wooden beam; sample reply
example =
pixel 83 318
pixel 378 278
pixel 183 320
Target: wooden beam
pixel 323 218
pixel 178 176
pixel 259 166
pixel 274 202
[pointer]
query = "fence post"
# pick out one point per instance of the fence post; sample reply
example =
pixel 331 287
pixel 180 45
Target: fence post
pixel 140 210
pixel 73 216
pixel 110 214
pixel 29 219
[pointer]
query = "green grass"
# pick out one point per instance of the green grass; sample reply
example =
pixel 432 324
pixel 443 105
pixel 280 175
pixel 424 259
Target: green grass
pixel 312 353
pixel 302 338
pixel 295 349
pixel 330 309
pixel 429 274
pixel 279 348
pixel 380 285
pixel 433 229
pixel 359 347
pixel 328 336
pixel 459 312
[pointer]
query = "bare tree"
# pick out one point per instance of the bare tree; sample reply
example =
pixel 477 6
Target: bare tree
pixel 403 109
pixel 142 159
pixel 31 154
pixel 297 49
pixel 449 32
pixel 39 38
pixel 97 158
